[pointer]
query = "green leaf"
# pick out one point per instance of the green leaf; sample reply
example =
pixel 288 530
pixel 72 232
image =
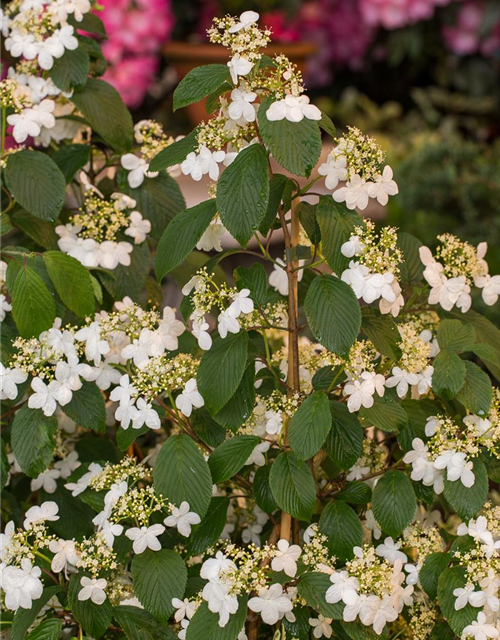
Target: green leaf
pixel 72 282
pixel 181 236
pixel 295 145
pixel 138 624
pixel 41 231
pixel 207 429
pixel 455 335
pixel 313 587
pixel 204 624
pixel 337 224
pixel 386 414
pixel 4 465
pixel 411 269
pixel 277 187
pixel 175 153
pixel 333 313
pixel 181 473
pixel 70 158
pixel 75 517
pixel 468 501
pixel 308 219
pixel 451 579
pixel 208 531
pixel 32 440
pixel 327 125
pixel 394 502
pixel 90 23
pixel 292 485
pixel 198 83
pixel 449 374
pixel 94 618
pixel 71 69
pixel 488 354
pixel 355 493
pixel 262 490
pixel 159 576
pixel 24 618
pixel 103 108
pixel 243 193
pixel 230 456
pixel 310 425
pixel 433 567
pixel 126 437
pixel 255 279
pixel 87 407
pixel 342 526
pixel 221 370
pixel 477 393
pixel 33 307
pixel 382 331
pixel 46 630
pixel 159 200
pixel 345 441
pixel 36 183
pixel 234 413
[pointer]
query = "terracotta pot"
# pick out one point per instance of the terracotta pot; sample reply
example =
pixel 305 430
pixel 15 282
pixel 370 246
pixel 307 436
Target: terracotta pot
pixel 185 56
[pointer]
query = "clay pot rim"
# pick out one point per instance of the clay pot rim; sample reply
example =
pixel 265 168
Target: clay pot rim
pixel 184 51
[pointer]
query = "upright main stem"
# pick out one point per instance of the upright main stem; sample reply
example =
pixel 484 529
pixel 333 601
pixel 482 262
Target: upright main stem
pixel 292 242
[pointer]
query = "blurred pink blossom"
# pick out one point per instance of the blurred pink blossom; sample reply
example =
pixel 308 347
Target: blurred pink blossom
pixel 136 30
pixel 283 29
pixel 464 37
pixel 392 14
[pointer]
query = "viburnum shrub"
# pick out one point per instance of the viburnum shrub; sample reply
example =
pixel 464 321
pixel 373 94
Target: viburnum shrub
pixel 313 454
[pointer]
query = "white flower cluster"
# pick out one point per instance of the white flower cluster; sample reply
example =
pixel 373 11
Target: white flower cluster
pixel 206 294
pixel 373 275
pixel 91 236
pixel 38 33
pixel 357 159
pixel 449 450
pixel 455 268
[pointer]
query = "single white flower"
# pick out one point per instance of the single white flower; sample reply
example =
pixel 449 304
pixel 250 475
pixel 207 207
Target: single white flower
pixel 211 238
pixel 402 380
pixel 279 279
pixel 241 303
pixel 46 481
pixel 239 66
pixel 490 286
pixel 247 19
pixel 241 105
pixel 138 228
pixel 353 247
pixel 354 194
pixel 344 588
pixel 257 456
pixel 383 186
pixel 138 169
pixel 457 467
pixel 44 398
pixel 286 558
pixel 9 379
pixel 272 604
pixel 65 554
pixel 47 511
pixel 182 518
pixel 145 537
pixel 200 332
pixel 220 600
pixel 184 609
pixel 145 414
pixel 468 595
pixel 93 589
pixel 390 550
pixel 189 397
pixel 480 629
pixel 322 627
pixel 227 323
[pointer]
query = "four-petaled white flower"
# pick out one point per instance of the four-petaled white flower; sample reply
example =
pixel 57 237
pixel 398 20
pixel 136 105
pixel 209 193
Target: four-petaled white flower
pixel 65 554
pixel 457 467
pixel 286 558
pixel 480 629
pixel 145 537
pixel 138 169
pixel 390 550
pixel 47 511
pixel 189 397
pixel 293 109
pixel 239 66
pixel 247 19
pixel 383 186
pixel 93 589
pixel 272 604
pixel 241 105
pixel 334 170
pixel 322 627
pixel 9 379
pixel 344 588
pixel 182 518
pixel 138 228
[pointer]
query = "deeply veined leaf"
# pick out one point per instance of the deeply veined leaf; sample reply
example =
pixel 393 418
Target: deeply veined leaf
pixel 33 307
pixel 310 425
pixel 87 407
pixel 337 224
pixel 229 457
pixel 477 393
pixel 449 374
pixel 204 625
pixel 313 587
pixel 433 567
pixel 198 83
pixel 243 193
pixel 32 440
pixel 181 474
pixel 394 502
pixel 159 576
pixel 181 236
pixel 72 282
pixel 345 440
pixel 47 630
pixel 455 335
pixel 467 501
pixel 103 108
pixel 292 485
pixel 175 153
pixel 449 580
pixel 36 183
pixel 295 145
pixel 333 313
pixel 221 370
pixel 94 618
pixel 342 526
pixel 210 528
pixel 138 624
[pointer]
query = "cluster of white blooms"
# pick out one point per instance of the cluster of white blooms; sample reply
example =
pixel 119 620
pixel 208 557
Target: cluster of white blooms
pixel 482 573
pixel 372 460
pixel 358 159
pixel 373 272
pixel 152 139
pixel 413 369
pixel 451 449
pixel 278 279
pixel 206 294
pixel 371 587
pixel 39 33
pixel 451 273
pixel 362 379
pixel 93 235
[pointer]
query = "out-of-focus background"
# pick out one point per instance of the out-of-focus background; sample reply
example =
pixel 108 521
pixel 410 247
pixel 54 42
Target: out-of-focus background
pixel 420 75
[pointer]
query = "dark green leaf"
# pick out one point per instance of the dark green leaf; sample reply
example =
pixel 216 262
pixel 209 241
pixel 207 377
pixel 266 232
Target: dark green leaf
pixel 70 158
pixel 382 331
pixel 477 393
pixel 230 456
pixel 33 440
pixel 433 567
pixel 175 153
pixel 33 307
pixel 313 587
pixel 71 69
pixel 87 407
pixel 94 618
pixel 451 579
pixel 394 502
pixel 293 487
pixel 449 374
pixel 345 440
pixel 468 501
pixel 386 414
pixel 310 425
pixel 198 83
pixel 411 269
pixel 205 625
pixel 337 224
pixel 208 531
pixel 342 526
pixel 46 630
pixel 138 624
pixel 455 335
pixel 72 282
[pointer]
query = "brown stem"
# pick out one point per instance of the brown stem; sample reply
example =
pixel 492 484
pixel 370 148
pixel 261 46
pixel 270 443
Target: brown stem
pixel 291 243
